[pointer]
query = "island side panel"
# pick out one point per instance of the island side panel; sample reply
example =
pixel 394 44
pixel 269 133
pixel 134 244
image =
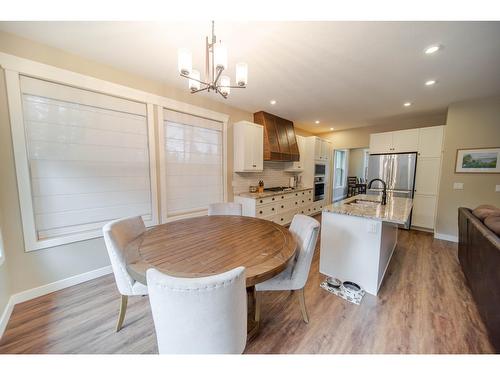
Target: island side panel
pixel 388 244
pixel 350 249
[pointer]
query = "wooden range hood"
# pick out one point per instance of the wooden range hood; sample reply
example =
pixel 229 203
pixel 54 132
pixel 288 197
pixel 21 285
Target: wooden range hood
pixel 280 142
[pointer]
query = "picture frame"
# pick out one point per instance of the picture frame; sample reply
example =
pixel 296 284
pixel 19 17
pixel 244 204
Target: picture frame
pixel 478 160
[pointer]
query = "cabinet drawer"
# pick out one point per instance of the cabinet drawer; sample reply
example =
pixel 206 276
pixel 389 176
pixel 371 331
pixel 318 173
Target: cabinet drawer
pixel 286 205
pixel 266 200
pixel 284 218
pixel 266 210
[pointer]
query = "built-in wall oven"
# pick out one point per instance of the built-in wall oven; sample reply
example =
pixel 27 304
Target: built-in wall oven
pixel 319 188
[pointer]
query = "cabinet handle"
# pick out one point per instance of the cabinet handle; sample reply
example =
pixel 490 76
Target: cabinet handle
pixel 281 219
pixel 273 199
pixel 298 202
pixel 254 165
pixel 272 209
pixel 302 201
pixel 261 201
pixel 260 212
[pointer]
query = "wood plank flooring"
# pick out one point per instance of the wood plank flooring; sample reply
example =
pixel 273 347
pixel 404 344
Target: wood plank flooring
pixel 423 307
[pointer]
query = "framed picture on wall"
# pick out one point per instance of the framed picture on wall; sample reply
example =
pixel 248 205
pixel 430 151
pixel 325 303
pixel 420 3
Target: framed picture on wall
pixel 478 160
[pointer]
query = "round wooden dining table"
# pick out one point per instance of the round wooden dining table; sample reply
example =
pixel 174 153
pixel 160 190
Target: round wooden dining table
pixel 208 245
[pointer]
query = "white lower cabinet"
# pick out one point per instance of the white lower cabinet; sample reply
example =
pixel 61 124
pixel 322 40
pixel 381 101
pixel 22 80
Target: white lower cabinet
pixel 280 208
pixel 424 211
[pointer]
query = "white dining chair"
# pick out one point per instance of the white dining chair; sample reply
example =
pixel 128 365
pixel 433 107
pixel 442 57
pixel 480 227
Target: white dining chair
pixel 227 208
pixel 206 315
pixel 305 230
pixel 121 237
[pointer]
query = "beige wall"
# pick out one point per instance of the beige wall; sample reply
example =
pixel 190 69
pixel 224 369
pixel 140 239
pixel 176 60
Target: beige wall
pixel 470 124
pixel 29 270
pixel 360 137
pixel 4 288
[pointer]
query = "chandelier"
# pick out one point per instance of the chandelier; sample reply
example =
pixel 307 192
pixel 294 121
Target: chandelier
pixel 215 64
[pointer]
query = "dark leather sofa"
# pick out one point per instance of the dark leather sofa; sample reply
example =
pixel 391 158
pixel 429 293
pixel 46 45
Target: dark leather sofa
pixel 479 256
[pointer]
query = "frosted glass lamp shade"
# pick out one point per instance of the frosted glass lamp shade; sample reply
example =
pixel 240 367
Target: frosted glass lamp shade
pixel 241 74
pixel 224 84
pixel 193 84
pixel 185 61
pixel 220 56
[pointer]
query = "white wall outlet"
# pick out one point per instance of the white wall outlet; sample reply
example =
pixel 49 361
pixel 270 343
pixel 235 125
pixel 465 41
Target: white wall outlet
pixel 497 188
pixel 458 186
pixel 372 227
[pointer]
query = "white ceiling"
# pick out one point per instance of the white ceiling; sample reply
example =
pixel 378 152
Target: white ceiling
pixel 345 74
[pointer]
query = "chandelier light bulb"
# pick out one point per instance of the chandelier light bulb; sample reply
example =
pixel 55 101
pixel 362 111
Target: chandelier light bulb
pixel 185 61
pixel 225 82
pixel 241 74
pixel 193 84
pixel 220 56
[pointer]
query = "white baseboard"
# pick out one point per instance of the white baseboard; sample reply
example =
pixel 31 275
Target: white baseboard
pixel 446 237
pixel 4 319
pixel 26 295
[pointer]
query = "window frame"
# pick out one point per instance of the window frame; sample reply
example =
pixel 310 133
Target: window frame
pixel 200 112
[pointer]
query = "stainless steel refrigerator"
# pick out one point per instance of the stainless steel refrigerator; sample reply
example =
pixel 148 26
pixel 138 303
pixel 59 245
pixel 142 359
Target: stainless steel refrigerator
pixel 397 170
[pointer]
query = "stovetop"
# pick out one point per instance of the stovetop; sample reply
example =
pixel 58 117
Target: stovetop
pixel 279 188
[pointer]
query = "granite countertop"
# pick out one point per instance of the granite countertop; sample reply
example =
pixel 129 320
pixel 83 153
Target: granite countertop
pixel 271 193
pixel 397 210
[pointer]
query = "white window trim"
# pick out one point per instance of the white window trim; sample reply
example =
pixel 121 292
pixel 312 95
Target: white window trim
pixel 15 66
pixel 161 155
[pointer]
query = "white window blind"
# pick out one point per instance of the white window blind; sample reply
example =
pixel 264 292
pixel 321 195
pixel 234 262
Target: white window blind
pixel 88 158
pixel 193 165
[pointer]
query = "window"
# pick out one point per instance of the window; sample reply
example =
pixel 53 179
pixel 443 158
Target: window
pixel 88 161
pixel 340 168
pixel 193 173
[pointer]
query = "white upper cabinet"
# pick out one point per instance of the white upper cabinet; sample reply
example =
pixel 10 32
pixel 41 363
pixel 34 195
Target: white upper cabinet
pixel 248 147
pixel 298 166
pixel 317 149
pixel 405 140
pixel 430 141
pixel 321 149
pixel 381 143
pixel 325 150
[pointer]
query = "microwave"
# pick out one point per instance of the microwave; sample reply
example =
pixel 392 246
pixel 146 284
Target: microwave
pixel 319 169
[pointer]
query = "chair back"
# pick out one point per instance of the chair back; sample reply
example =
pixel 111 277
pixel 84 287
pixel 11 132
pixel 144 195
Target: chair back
pixel 228 208
pixel 352 181
pixel 119 236
pixel 206 315
pixel 305 230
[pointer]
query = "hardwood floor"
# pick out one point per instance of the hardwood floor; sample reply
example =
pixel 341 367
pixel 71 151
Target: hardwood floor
pixel 423 307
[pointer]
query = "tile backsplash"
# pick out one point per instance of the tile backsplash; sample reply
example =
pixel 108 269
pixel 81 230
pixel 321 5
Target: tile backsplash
pixel 273 175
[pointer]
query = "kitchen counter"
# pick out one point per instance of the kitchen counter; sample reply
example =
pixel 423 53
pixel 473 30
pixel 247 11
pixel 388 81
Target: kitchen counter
pixel 397 210
pixel 271 193
pixel 358 239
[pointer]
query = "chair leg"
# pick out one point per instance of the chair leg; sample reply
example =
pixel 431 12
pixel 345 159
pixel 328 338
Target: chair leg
pixel 302 301
pixel 258 301
pixel 123 310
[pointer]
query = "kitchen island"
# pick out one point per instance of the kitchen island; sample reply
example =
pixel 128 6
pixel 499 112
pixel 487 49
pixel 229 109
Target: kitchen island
pixel 358 237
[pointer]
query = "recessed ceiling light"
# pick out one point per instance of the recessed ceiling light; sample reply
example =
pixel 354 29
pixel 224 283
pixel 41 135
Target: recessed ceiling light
pixel 273 102
pixel 331 128
pixel 430 82
pixel 432 49
pixel 316 122
pixel 407 104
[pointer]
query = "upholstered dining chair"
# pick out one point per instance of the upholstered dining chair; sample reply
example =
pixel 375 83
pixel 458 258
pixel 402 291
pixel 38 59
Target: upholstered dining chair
pixel 206 315
pixel 120 237
pixel 305 229
pixel 228 208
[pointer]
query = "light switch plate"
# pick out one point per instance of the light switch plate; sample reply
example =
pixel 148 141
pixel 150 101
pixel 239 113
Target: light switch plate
pixel 458 186
pixel 497 188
